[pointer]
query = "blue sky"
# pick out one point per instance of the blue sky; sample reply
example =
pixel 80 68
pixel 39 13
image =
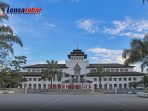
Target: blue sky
pixel 102 28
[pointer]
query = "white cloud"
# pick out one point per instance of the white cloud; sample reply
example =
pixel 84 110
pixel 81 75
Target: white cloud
pixel 49 25
pixel 88 25
pixel 137 67
pixel 19 25
pixel 36 62
pixel 26 50
pixel 61 62
pixel 22 50
pixel 103 55
pixel 132 35
pixel 38 16
pixel 44 62
pixel 128 27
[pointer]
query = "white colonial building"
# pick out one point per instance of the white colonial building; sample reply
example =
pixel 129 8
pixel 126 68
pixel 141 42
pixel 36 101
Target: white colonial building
pixel 75 74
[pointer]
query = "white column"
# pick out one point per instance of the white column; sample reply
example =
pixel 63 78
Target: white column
pixel 41 85
pixel 37 87
pixel 22 85
pixel 78 78
pixel 102 85
pixel 25 85
pixel 47 85
pixel 107 86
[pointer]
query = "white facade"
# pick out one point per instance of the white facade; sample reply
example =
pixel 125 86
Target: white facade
pixel 75 70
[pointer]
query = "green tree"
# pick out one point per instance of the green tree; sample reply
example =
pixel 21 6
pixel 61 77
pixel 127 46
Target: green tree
pixel 134 84
pixel 5 79
pixel 7 38
pixel 59 75
pixel 137 53
pixel 10 77
pixel 144 64
pixel 145 80
pixel 17 62
pixel 15 70
pixel 50 72
pixel 100 73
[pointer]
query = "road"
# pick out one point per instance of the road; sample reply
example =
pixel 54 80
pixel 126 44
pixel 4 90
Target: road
pixel 46 102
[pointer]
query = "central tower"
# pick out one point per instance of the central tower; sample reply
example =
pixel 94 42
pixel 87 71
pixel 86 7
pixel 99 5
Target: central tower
pixel 77 54
pixel 77 64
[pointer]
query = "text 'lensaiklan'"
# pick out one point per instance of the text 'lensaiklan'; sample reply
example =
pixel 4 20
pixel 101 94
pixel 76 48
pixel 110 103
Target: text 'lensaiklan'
pixel 9 10
pixel 23 10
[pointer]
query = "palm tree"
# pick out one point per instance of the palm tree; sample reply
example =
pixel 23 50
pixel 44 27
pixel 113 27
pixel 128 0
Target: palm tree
pixel 100 73
pixel 137 53
pixel 59 75
pixel 51 71
pixel 7 39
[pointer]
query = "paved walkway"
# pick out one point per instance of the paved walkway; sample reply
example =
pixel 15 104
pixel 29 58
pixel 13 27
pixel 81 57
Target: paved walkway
pixel 45 102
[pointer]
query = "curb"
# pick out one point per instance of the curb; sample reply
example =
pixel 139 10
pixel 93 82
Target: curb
pixel 142 94
pixel 7 92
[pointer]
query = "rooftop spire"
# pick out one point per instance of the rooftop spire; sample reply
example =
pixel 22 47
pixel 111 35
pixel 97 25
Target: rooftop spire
pixel 77 46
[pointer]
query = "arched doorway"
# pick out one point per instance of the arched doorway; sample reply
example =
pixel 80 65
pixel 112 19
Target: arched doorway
pixel 95 86
pixel 30 86
pixel 120 86
pixel 39 86
pixel 125 86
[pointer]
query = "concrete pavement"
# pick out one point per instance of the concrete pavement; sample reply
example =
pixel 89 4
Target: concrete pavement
pixel 46 102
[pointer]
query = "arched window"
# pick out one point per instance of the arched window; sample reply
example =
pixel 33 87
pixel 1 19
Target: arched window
pixel 120 86
pixel 115 85
pixel 30 86
pixel 95 86
pixel 105 86
pixel 44 86
pixel 39 86
pixel 77 69
pixel 125 86
pixel 34 86
pixel 110 86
